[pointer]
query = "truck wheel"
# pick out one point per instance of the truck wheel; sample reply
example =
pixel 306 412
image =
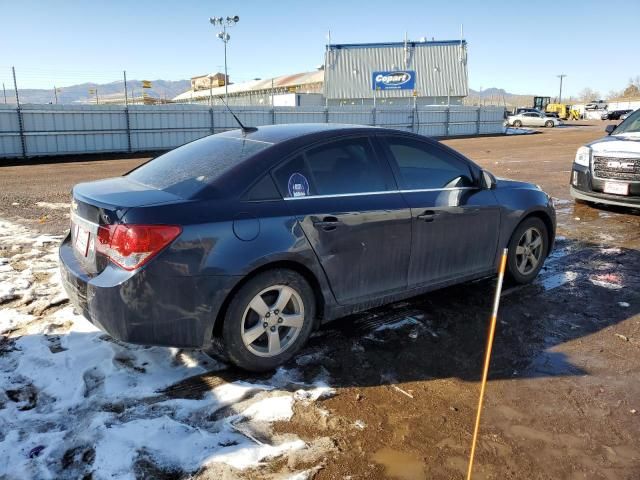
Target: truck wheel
pixel 269 318
pixel 528 248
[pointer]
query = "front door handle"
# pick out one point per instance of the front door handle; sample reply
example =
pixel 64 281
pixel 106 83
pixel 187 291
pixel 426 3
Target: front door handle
pixel 328 223
pixel 427 216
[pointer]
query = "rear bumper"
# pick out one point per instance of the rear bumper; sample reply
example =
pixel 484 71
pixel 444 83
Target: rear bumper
pixel 146 309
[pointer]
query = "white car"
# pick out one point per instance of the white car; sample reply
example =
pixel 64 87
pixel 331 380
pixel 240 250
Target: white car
pixel 596 105
pixel 533 119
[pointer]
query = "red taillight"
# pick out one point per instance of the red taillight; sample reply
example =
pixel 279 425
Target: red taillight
pixel 131 246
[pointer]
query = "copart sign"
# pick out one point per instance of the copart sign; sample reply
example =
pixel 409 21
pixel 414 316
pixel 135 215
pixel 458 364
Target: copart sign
pixel 397 80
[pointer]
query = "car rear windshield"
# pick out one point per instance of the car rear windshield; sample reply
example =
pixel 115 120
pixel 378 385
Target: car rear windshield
pixel 189 169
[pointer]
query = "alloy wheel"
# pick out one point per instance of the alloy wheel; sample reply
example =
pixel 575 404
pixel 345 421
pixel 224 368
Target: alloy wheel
pixel 272 321
pixel 529 251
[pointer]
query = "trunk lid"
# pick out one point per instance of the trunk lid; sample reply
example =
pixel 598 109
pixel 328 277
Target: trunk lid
pixel 101 203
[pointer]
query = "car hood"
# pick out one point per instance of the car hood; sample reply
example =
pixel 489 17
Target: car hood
pixel 617 145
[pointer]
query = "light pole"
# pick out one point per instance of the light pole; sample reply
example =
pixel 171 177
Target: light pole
pixel 561 76
pixel 225 37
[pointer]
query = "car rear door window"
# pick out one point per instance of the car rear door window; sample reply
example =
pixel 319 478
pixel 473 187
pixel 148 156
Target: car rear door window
pixel 347 166
pixel 423 166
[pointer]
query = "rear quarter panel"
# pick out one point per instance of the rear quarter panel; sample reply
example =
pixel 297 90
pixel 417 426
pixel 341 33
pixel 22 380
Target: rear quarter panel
pixel 230 238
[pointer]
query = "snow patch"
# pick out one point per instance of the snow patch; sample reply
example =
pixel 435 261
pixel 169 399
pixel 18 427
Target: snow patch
pixel 78 403
pixel 519 131
pixel 557 280
pixel 612 281
pixel 54 206
pixel 397 324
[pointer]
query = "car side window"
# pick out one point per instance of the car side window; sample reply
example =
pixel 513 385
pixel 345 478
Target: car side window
pixel 424 166
pixel 340 167
pixel 264 189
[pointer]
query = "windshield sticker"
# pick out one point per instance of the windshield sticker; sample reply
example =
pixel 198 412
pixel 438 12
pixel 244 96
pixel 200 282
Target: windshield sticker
pixel 298 185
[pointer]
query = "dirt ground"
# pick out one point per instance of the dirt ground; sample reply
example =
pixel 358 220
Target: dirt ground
pixel 563 400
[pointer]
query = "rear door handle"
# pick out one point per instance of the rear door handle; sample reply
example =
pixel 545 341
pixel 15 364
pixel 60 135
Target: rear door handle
pixel 427 216
pixel 328 223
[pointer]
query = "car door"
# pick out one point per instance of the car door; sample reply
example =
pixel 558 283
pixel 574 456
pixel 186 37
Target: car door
pixel 344 197
pixel 455 223
pixel 528 119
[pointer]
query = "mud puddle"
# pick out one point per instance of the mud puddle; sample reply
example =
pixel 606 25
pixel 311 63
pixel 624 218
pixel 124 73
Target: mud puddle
pixel 400 465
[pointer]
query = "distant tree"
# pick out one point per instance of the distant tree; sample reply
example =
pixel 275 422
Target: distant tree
pixel 635 81
pixel 588 95
pixel 631 91
pixel 614 94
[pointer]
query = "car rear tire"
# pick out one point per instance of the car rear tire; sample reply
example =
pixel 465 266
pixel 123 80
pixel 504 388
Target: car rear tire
pixel 549 124
pixel 528 249
pixel 517 123
pixel 268 319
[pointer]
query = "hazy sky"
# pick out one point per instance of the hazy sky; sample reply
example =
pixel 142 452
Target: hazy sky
pixel 518 46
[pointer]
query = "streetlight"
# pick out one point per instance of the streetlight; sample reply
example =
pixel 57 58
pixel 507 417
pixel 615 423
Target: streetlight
pixel 561 76
pixel 225 37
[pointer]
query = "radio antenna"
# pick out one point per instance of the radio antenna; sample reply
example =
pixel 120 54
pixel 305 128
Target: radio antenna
pixel 245 130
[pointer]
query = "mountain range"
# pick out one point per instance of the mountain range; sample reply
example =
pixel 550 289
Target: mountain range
pixel 171 88
pixel 80 93
pixel 498 96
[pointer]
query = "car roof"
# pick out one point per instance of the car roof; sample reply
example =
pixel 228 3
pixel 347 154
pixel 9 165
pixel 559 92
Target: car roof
pixel 280 133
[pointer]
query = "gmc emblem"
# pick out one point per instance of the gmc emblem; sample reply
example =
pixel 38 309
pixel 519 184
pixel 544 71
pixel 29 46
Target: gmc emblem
pixel 620 165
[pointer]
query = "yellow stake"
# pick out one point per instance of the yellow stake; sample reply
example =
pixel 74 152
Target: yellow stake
pixel 487 357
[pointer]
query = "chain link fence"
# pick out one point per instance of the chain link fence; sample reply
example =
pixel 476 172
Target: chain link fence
pixel 113 116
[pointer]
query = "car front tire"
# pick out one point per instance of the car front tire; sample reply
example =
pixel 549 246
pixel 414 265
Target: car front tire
pixel 528 249
pixel 517 123
pixel 268 320
pixel 549 124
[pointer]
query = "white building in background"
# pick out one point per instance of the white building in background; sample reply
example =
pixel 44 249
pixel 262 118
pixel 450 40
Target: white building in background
pixel 259 91
pixel 400 73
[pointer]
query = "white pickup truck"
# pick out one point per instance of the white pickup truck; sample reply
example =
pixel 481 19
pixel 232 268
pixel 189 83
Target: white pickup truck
pixel 608 170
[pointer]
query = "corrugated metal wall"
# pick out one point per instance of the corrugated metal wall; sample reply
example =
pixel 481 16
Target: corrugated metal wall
pixel 65 129
pixel 441 69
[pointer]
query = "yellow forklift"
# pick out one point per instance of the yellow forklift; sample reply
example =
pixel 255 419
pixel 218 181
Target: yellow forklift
pixel 564 111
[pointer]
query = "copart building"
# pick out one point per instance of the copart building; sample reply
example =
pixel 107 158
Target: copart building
pixel 398 73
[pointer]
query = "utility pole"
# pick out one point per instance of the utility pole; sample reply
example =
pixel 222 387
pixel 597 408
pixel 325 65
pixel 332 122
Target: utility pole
pixel 15 86
pixel 126 95
pixel 55 93
pixel 225 37
pixel 211 89
pixel 326 76
pixel 561 76
pixel 4 92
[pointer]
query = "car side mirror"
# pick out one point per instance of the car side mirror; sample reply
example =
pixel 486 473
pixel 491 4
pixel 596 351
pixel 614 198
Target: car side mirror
pixel 610 128
pixel 488 181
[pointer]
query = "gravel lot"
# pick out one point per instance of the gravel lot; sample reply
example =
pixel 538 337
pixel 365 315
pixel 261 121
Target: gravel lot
pixel 390 393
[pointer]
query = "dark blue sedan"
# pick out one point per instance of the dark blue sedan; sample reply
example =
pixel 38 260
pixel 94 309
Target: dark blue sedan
pixel 253 238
